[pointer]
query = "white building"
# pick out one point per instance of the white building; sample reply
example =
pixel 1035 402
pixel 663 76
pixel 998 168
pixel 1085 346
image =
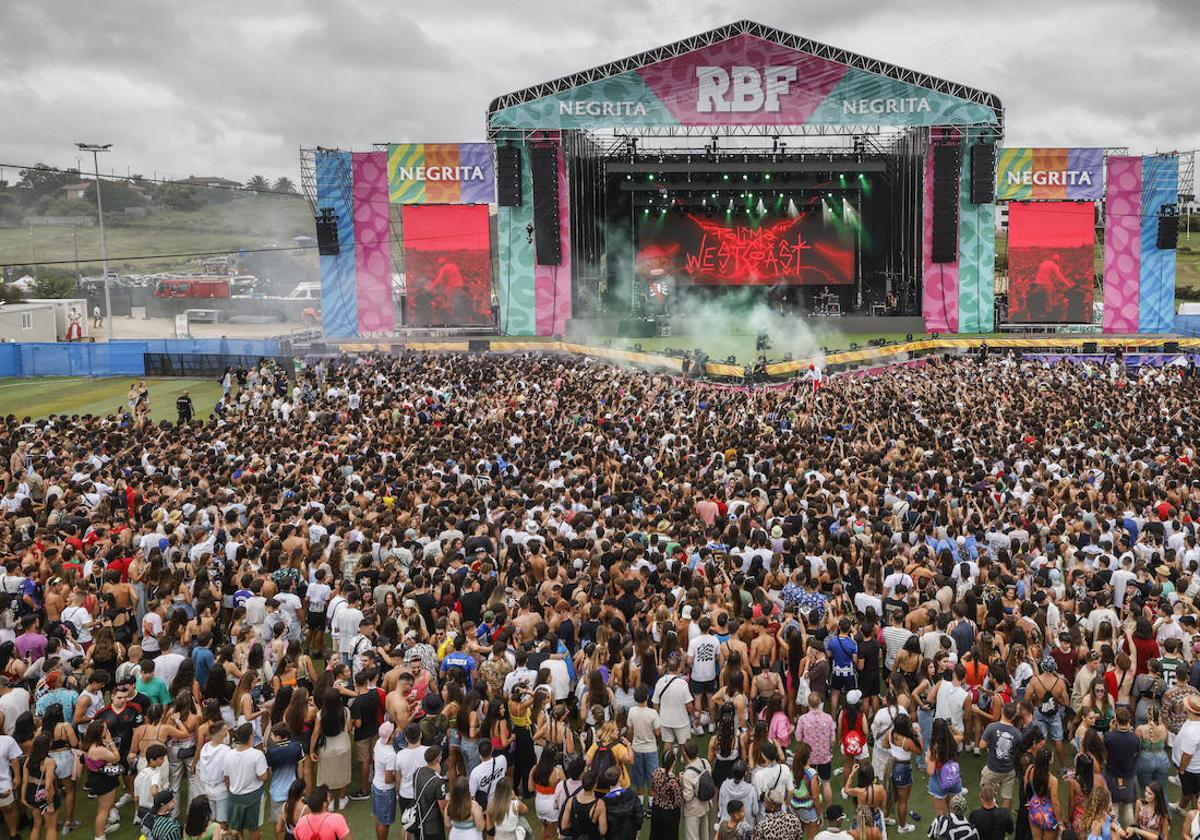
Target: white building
pixel 28 322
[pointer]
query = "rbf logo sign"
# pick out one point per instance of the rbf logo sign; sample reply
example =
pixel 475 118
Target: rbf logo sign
pixel 741 89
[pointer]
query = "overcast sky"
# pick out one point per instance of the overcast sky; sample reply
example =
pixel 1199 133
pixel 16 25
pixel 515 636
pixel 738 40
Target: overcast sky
pixel 235 88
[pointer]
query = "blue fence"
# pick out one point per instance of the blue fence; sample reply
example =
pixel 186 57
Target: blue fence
pixel 117 358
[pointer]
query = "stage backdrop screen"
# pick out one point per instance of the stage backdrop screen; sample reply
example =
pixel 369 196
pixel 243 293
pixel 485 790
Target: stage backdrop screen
pixel 1050 253
pixel 1024 173
pixel 447 265
pixel 740 249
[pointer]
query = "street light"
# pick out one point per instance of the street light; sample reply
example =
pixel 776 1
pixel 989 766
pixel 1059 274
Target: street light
pixel 96 149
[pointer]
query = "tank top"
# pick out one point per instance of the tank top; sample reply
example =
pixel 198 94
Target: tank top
pixel 950 705
pixel 802 793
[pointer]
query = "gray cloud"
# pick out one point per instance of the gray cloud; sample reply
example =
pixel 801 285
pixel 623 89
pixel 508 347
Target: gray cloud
pixel 235 88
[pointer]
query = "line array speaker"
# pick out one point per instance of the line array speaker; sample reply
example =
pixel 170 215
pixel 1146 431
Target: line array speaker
pixel 983 173
pixel 947 164
pixel 327 233
pixel 1168 231
pixel 508 176
pixel 543 166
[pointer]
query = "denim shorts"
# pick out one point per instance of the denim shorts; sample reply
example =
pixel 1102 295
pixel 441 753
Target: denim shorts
pixel 383 805
pixel 938 792
pixel 808 815
pixel 644 765
pixel 1052 725
pixel 220 807
pixel 902 774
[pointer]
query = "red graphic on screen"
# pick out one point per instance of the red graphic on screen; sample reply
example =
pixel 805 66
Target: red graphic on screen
pixel 447 265
pixel 699 251
pixel 1050 262
pixel 745 254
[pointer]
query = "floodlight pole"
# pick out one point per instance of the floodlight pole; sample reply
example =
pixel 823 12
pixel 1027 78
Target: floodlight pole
pixel 95 149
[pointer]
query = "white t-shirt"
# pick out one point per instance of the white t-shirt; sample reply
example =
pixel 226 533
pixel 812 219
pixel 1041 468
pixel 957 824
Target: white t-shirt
pixel 152 627
pixel 672 694
pixel 486 775
pixel 317 596
pixel 149 778
pixel 1188 741
pixel 9 749
pixel 79 617
pixel 643 720
pixel 166 666
pixel 210 769
pixel 289 605
pixel 408 761
pixel 243 769
pixel 13 705
pixel 702 650
pixel 345 627
pixel 385 760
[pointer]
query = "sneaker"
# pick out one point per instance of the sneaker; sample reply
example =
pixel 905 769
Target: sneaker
pixel 343 802
pixel 113 816
pixel 359 796
pixel 906 829
pixel 1173 780
pixel 837 771
pixel 889 820
pixel 123 801
pixel 914 816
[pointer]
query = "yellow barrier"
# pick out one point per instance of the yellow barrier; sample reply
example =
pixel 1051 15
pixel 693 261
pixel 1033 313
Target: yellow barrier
pixel 780 369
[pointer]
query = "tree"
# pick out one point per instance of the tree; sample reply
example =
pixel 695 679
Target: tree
pixel 258 184
pixel 55 286
pixel 284 185
pixel 117 196
pixel 41 180
pixel 179 197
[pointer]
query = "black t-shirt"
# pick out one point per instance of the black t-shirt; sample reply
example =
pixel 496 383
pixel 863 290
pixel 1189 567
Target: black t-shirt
pixel 992 823
pixel 121 724
pixel 365 709
pixel 429 788
pixel 628 605
pixel 868 652
pixel 472 606
pixel 426 603
pixel 535 660
pixel 587 631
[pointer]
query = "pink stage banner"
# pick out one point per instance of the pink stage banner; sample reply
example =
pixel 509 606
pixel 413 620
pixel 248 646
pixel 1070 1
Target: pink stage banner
pixel 372 245
pixel 1123 245
pixel 552 283
pixel 939 301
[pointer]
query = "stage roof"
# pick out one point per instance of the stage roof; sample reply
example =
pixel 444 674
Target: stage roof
pixel 743 75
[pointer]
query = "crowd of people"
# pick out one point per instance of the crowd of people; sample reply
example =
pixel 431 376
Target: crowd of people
pixel 514 595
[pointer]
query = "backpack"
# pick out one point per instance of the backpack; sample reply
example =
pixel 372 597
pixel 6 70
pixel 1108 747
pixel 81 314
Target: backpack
pixel 950 776
pixel 625 815
pixel 706 789
pixel 602 760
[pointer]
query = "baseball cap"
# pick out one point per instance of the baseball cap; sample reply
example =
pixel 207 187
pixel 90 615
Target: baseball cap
pixel 853 696
pixel 163 797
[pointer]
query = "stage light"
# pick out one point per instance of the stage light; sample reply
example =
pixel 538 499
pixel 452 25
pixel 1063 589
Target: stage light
pixel 768 176
pixel 726 176
pixel 761 208
pixel 646 212
pixel 829 195
pixel 714 195
pixel 842 179
pixel 650 177
pixel 745 177
pixel 628 177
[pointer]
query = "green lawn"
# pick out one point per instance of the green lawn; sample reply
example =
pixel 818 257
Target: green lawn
pixel 84 395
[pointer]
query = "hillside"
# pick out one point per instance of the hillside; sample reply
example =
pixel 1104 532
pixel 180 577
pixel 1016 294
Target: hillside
pixel 244 222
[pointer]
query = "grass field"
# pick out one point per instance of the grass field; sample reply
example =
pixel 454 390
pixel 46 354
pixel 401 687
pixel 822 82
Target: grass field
pixel 83 395
pixel 246 222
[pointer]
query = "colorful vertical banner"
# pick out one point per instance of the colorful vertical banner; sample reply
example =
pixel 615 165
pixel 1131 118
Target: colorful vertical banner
pixel 976 259
pixel 1051 250
pixel 1024 174
pixel 515 250
pixel 939 296
pixel 447 259
pixel 1139 278
pixel 339 303
pixel 441 173
pixel 552 283
pixel 1122 244
pixel 372 252
pixel 1156 292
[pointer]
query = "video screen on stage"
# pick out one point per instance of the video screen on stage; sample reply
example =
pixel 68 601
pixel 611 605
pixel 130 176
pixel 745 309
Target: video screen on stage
pixel 447 265
pixel 1050 262
pixel 813 248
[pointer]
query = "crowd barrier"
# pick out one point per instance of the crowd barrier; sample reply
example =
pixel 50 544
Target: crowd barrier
pixel 119 358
